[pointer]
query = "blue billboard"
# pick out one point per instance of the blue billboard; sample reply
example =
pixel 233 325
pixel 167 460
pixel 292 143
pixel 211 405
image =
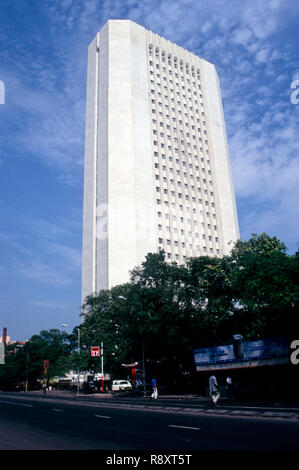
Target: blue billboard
pixel 269 351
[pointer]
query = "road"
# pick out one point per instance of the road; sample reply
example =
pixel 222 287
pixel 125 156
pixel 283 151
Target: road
pixel 27 423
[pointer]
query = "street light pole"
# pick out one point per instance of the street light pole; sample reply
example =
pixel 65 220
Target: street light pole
pixel 102 365
pixel 27 370
pixel 143 358
pixel 78 381
pixel 143 366
pixel 78 371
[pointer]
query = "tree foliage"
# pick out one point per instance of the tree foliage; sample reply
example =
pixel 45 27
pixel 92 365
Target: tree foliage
pixel 167 310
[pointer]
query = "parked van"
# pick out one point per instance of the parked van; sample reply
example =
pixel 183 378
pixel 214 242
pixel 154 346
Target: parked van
pixel 121 385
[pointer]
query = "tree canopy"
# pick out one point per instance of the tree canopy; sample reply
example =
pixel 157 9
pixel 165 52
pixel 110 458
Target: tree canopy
pixel 168 310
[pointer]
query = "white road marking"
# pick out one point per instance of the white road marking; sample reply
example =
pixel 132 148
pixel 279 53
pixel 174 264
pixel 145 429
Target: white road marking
pixel 183 427
pixel 272 408
pixel 100 416
pixel 56 409
pixel 13 403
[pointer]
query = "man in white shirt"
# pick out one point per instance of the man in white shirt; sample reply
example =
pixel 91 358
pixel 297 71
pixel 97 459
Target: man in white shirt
pixel 214 389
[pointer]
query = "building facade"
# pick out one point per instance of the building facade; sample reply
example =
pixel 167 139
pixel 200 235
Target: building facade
pixel 157 171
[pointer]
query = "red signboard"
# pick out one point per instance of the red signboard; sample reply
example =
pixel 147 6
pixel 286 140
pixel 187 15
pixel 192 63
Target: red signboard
pixel 95 351
pixel 46 365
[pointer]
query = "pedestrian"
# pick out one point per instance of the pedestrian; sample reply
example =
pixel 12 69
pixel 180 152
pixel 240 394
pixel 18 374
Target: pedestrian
pixel 229 387
pixel 44 387
pixel 215 395
pixel 155 389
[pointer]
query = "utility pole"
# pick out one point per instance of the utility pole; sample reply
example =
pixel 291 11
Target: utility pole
pixel 27 370
pixel 143 359
pixel 143 366
pixel 102 364
pixel 78 379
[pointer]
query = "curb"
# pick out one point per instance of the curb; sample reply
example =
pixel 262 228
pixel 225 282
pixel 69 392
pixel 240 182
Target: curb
pixel 169 409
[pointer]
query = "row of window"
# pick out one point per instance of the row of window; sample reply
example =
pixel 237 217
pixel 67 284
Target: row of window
pixel 185 160
pixel 173 79
pixel 198 252
pixel 204 181
pixel 156 86
pixel 173 60
pixel 182 220
pixel 176 217
pixel 193 251
pixel 187 186
pixel 183 163
pixel 175 139
pixel 183 244
pixel 180 207
pixel 180 195
pixel 182 231
pixel 178 119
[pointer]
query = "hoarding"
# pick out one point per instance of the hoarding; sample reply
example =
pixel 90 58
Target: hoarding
pixel 269 351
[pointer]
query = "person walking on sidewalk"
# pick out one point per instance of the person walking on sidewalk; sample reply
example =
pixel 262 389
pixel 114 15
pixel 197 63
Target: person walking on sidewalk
pixel 155 389
pixel 215 395
pixel 44 388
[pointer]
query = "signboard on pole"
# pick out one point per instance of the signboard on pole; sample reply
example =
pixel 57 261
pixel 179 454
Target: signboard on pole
pixel 46 365
pixel 95 351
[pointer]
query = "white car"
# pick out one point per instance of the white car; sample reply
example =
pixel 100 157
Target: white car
pixel 121 385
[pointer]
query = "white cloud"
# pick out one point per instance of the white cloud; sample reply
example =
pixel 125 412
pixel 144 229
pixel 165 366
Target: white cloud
pixel 38 252
pixel 262 55
pixel 243 39
pixel 36 270
pixel 242 36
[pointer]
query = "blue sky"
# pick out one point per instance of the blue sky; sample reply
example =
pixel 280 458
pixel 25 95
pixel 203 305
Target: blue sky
pixel 43 59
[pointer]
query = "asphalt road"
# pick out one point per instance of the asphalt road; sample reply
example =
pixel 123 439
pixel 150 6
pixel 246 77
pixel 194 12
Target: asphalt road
pixel 34 424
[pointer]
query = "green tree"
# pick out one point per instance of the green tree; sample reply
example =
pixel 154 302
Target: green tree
pixel 265 285
pixel 11 372
pixel 51 345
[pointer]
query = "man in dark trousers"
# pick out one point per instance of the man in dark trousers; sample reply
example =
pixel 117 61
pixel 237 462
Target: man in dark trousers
pixel 155 389
pixel 215 395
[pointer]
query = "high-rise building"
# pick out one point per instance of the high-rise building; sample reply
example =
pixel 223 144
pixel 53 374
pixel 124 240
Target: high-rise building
pixel 157 171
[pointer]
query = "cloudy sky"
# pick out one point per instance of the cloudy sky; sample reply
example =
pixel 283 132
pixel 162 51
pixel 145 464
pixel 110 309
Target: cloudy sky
pixel 43 59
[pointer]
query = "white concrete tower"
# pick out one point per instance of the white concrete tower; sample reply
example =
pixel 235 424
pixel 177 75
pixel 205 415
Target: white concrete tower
pixel 157 171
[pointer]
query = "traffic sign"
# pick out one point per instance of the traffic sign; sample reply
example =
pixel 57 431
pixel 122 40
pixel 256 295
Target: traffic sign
pixel 95 351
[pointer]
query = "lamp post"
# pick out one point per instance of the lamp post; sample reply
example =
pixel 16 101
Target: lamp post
pixel 78 371
pixel 102 365
pixel 143 358
pixel 27 367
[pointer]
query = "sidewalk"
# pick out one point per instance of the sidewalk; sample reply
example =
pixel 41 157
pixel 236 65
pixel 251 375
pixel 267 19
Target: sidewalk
pixel 192 397
pixel 189 404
